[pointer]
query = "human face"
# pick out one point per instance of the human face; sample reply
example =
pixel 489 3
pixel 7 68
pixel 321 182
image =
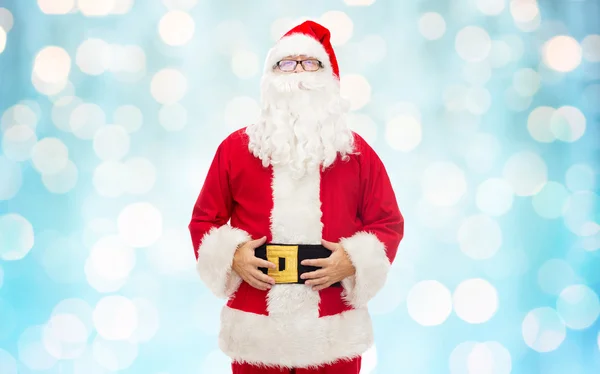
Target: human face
pixel 297 64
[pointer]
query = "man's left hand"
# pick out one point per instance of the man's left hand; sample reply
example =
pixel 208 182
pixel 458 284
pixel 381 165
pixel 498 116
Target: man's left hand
pixel 333 268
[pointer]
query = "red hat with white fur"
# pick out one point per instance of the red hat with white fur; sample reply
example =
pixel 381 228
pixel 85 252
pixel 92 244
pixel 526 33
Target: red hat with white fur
pixel 309 38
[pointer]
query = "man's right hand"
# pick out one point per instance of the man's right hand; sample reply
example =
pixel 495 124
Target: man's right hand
pixel 246 265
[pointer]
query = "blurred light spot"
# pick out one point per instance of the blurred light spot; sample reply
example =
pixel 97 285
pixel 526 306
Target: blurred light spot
pixel 363 125
pixel 127 60
pixel 7 362
pixel 168 86
pixel 280 26
pixel 115 318
pixel 111 259
pixel 395 290
pixel 97 228
pixel 63 181
pixel 494 196
pixel 173 117
pixel 244 63
pixel 429 303
pixel 432 25
pixel 62 110
pixel 554 275
pixel 567 124
pixel 475 301
pixel 477 73
pixel 592 243
pixel 18 142
pixel 478 100
pixel 180 4
pixel 435 216
pixel 148 321
pixel 52 65
pixel 403 133
pixel 591 48
pixel 129 117
pixel 99 283
pixel 140 177
pixel 86 119
pixel 524 11
pixel 140 224
pixel 580 213
pixel 359 2
pixel 165 260
pixel 32 352
pixel 480 237
pixel 2 39
pixel 6 20
pixel 216 362
pixel 443 183
pixel 94 8
pixel 482 151
pixel 111 143
pixel 526 172
pixel 147 285
pixel 48 88
pixel 562 53
pixel 526 82
pixel 500 54
pixel 458 357
pixel 56 6
pixel 93 56
pixel 490 7
pixel 17 238
pixel 108 178
pixel 50 155
pixel 339 24
pixel 19 114
pixel 403 108
pixel 374 48
pixel 551 201
pixel 11 177
pixel 356 89
pixel 543 329
pixel 114 355
pixel 240 111
pixel 489 357
pixel 580 177
pixel 87 364
pixel 473 44
pixel 538 124
pixel 62 258
pixel 176 28
pixel 65 336
pixel 455 97
pixel 230 35
pixel 122 6
pixel 76 307
pixel 529 26
pixel 579 307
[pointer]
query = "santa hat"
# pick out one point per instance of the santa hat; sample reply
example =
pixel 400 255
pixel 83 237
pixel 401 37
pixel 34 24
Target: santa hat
pixel 310 39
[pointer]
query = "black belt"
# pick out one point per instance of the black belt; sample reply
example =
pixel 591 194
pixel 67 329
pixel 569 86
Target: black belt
pixel 288 258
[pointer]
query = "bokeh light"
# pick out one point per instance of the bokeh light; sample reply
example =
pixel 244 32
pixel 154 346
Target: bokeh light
pixel 580 177
pixel 475 301
pixel 551 201
pixel 168 86
pixel 543 329
pixel 18 142
pixel 429 303
pixel 526 172
pixel 562 53
pixel 432 25
pixel 17 237
pixel 176 28
pixel 494 196
pixel 554 275
pixel 340 25
pixel 473 44
pixel 7 19
pixel 479 236
pixel 578 306
pixel 62 181
pixel 7 362
pixel 140 224
pixel 356 89
pixel 50 155
pixel 403 133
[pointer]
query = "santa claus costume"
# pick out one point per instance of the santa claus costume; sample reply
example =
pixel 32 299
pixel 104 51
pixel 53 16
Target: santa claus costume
pixel 297 176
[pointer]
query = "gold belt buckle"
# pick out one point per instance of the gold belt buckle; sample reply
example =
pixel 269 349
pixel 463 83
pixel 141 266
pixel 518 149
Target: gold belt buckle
pixel 289 255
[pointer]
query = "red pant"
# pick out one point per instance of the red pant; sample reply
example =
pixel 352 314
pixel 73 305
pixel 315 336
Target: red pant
pixel 341 367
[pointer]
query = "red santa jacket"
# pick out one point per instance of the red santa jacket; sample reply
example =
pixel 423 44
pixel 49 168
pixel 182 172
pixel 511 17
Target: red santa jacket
pixel 351 202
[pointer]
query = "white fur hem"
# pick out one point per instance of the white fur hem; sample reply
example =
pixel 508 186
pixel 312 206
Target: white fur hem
pixel 369 258
pixel 215 256
pixel 297 44
pixel 293 340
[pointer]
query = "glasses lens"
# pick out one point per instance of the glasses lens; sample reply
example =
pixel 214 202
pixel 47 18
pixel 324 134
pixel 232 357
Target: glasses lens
pixel 310 65
pixel 287 65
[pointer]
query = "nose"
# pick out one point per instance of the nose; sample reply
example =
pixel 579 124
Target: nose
pixel 298 68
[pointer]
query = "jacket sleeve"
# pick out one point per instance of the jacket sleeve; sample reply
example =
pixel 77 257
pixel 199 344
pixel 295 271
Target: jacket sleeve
pixel 214 240
pixel 373 249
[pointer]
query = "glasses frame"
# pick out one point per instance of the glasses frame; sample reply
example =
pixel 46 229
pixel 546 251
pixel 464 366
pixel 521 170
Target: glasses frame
pixel 301 62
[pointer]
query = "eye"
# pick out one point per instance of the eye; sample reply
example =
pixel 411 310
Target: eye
pixel 287 65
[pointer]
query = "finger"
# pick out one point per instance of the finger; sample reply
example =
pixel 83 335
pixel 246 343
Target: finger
pixel 260 263
pixel 329 245
pixel 322 287
pixel 262 277
pixel 258 242
pixel 318 281
pixel 314 274
pixel 319 262
pixel 258 284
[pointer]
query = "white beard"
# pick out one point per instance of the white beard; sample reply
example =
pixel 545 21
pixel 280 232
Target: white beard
pixel 302 123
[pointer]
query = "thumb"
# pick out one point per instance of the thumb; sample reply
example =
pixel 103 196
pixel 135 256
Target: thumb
pixel 329 245
pixel 259 242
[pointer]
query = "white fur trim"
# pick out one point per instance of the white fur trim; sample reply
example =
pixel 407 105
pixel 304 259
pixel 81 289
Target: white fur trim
pixel 215 256
pixel 294 340
pixel 297 44
pixel 369 258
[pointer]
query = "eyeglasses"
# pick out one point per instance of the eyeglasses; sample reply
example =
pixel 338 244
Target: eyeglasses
pixel 307 65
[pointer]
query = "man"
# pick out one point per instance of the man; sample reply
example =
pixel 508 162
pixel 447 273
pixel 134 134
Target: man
pixel 297 223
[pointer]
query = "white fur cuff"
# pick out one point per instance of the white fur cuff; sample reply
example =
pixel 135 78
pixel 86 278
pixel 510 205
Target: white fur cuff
pixel 369 258
pixel 215 256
